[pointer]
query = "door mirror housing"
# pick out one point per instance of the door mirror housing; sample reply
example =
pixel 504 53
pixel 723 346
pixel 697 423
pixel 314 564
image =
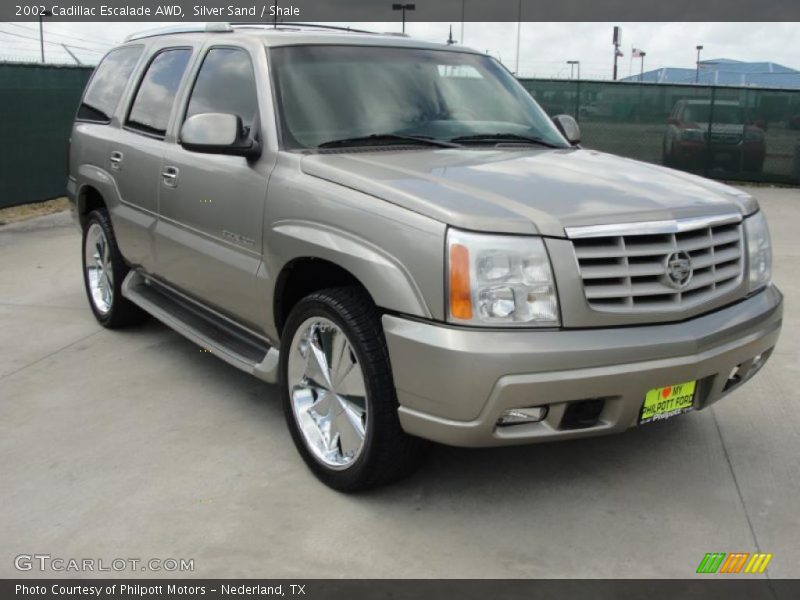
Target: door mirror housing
pixel 219 133
pixel 569 128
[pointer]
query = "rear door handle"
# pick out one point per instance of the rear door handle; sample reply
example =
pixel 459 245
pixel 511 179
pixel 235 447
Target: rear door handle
pixel 115 159
pixel 170 176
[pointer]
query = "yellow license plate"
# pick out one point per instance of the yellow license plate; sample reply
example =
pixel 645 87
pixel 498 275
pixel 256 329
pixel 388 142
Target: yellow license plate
pixel 669 401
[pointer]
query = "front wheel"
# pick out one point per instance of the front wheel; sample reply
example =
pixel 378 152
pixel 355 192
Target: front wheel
pixel 338 394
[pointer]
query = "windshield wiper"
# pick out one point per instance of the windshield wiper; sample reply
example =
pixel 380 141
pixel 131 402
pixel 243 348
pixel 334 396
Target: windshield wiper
pixel 498 138
pixel 380 139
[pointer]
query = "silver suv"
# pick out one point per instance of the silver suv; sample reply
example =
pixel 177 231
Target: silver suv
pixel 396 232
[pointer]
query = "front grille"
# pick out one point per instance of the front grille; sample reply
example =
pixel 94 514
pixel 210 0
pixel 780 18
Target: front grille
pixel 725 138
pixel 629 273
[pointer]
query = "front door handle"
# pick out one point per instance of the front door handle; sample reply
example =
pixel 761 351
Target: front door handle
pixel 170 176
pixel 115 159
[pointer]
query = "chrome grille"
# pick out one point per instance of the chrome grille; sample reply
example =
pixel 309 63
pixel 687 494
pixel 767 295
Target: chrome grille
pixel 627 270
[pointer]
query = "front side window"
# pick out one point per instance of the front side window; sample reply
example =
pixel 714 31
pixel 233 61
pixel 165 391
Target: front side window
pixel 328 93
pixel 225 84
pixel 107 84
pixel 156 95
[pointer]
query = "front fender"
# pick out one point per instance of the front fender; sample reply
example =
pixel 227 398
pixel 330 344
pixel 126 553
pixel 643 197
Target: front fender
pixel 385 278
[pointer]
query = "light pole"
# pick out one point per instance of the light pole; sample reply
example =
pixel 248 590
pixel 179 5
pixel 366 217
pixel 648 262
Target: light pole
pixel 572 64
pixel 44 13
pixel 404 8
pixel 697 70
pixel 642 54
pixel 617 40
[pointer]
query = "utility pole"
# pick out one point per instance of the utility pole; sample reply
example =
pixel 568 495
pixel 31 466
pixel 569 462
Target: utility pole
pixel 404 8
pixel 44 13
pixel 697 65
pixel 617 42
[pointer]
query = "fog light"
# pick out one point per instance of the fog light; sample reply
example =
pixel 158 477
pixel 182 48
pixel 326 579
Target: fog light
pixel 517 416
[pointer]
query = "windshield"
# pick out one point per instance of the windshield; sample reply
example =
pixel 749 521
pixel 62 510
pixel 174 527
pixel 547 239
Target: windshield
pixel 700 113
pixel 330 93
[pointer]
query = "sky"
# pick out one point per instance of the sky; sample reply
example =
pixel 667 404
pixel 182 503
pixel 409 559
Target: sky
pixel 544 47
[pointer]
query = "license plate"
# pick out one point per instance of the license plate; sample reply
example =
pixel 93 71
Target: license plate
pixel 669 401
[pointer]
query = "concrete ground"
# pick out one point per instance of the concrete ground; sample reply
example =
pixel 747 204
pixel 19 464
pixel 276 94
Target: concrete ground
pixel 136 444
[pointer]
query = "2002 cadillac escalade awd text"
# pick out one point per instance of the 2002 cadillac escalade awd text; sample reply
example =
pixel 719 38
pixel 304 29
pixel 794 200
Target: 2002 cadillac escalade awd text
pixel 395 232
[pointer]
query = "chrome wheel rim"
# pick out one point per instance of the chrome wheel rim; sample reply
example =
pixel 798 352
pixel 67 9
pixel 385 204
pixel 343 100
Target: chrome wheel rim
pixel 327 393
pixel 99 271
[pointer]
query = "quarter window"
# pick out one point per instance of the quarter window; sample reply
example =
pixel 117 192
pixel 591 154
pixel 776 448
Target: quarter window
pixel 107 84
pixel 225 84
pixel 153 103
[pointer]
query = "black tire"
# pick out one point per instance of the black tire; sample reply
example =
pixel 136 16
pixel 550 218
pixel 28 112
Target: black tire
pixel 122 313
pixel 388 453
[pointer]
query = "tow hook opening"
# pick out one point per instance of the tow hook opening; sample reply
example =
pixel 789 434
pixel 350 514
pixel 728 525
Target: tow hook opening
pixel 583 413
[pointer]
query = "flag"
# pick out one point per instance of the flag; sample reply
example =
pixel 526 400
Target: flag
pixel 636 53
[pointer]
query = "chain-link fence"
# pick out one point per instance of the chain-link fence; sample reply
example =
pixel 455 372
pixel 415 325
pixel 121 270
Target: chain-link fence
pixel 747 134
pixel 736 133
pixel 37 106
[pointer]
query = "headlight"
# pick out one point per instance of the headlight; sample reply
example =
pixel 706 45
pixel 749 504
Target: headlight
pixel 692 135
pixel 500 280
pixel 759 250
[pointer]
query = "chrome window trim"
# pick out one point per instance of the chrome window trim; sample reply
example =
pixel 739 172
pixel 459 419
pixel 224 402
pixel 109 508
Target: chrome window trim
pixel 651 227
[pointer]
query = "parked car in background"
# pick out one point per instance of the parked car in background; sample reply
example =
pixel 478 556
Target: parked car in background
pixel 395 232
pixel 733 145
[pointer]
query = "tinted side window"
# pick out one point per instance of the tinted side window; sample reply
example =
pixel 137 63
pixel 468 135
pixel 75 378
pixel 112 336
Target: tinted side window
pixel 225 84
pixel 107 84
pixel 156 93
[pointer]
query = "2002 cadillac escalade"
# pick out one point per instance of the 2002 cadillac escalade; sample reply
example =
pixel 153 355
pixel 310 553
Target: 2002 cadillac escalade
pixel 398 234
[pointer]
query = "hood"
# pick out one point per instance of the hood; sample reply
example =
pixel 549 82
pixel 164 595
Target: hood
pixel 526 190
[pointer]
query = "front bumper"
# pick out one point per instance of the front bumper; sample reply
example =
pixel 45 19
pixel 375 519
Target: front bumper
pixel 454 383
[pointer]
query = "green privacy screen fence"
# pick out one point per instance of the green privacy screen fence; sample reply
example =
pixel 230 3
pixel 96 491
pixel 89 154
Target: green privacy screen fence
pixel 735 133
pixel 37 105
pixel 745 134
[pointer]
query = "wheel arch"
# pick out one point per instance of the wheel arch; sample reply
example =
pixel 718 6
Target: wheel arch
pixel 320 257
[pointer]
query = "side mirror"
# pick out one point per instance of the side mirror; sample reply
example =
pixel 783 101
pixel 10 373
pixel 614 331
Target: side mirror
pixel 218 133
pixel 569 128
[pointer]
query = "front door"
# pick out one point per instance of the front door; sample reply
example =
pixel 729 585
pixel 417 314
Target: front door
pixel 209 234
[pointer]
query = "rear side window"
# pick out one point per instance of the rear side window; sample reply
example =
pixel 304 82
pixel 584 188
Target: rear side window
pixel 225 84
pixel 107 84
pixel 154 98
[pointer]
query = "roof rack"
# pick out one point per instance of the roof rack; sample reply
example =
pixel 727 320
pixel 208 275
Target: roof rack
pixel 198 28
pixel 230 27
pixel 279 24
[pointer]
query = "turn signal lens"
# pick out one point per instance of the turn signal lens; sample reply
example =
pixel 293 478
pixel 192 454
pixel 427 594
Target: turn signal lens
pixel 460 294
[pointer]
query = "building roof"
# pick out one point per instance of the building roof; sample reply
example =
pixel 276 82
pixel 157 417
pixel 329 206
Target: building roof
pixel 725 71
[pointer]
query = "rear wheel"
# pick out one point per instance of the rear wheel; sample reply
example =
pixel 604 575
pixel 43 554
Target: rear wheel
pixel 103 272
pixel 338 394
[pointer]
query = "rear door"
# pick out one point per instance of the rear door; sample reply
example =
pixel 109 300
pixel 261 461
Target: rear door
pixel 135 153
pixel 97 131
pixel 209 235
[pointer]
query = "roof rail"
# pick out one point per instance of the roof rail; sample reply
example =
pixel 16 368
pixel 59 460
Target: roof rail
pixel 197 28
pixel 279 24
